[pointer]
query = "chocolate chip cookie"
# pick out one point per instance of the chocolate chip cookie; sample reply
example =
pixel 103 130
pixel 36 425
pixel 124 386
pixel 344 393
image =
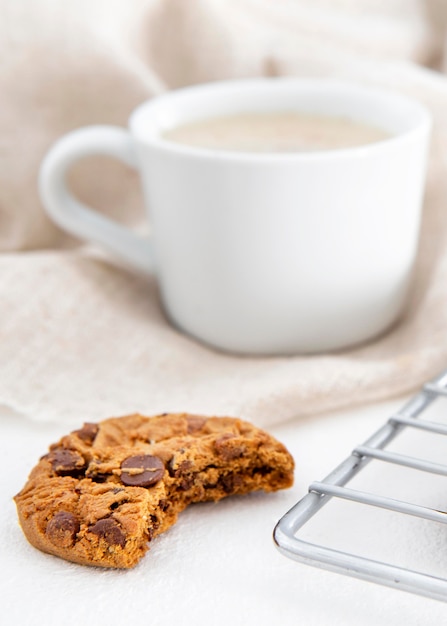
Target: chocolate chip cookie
pixel 103 492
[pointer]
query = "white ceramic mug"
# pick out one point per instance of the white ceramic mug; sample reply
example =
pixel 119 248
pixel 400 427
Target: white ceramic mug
pixel 264 253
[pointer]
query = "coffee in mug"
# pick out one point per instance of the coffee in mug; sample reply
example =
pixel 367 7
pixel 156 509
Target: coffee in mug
pixel 285 131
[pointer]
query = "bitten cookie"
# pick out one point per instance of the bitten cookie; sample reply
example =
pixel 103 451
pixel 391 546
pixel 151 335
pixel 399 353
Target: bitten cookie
pixel 103 492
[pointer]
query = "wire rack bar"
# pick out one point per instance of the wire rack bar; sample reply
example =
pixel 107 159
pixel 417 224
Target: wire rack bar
pixel 334 486
pixel 435 388
pixel 402 459
pixel 379 501
pixel 433 427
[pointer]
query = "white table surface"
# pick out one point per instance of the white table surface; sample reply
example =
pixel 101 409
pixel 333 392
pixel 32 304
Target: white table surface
pixel 218 564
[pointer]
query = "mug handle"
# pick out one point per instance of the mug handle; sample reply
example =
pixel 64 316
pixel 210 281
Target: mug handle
pixel 79 219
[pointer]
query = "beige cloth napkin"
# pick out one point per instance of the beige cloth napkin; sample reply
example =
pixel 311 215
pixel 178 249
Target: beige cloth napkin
pixel 82 338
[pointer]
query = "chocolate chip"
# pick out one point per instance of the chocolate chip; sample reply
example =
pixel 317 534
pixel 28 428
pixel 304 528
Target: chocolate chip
pixel 94 472
pixel 99 478
pixel 195 423
pixel 145 470
pixel 62 529
pixel 226 448
pixel 181 469
pixel 109 530
pixel 186 483
pixel 185 466
pixel 88 432
pixel 66 462
pixel 95 476
pixel 231 482
pixel 163 504
pixel 263 471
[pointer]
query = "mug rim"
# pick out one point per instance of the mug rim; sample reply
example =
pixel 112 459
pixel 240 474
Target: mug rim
pixel 139 127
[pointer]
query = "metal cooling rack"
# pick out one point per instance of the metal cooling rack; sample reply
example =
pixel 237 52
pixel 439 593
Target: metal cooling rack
pixel 334 486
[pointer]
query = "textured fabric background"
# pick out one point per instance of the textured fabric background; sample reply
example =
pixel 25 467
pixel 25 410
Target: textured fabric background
pixel 82 337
